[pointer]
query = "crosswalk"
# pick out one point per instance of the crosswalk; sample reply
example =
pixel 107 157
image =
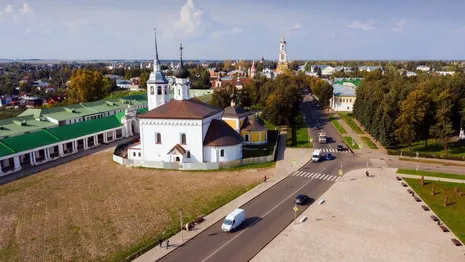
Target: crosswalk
pixel 331 150
pixel 316 176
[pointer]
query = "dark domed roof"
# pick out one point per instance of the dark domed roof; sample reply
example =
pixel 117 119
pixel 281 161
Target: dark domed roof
pixel 181 72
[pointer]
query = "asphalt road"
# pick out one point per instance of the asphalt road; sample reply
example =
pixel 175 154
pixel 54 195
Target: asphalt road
pixel 269 213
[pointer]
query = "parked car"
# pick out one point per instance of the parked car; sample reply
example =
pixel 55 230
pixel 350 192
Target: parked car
pixel 301 199
pixel 329 156
pixel 340 148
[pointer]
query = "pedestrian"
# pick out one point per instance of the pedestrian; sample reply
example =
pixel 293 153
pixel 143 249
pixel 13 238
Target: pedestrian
pixel 367 174
pixel 160 242
pixel 264 179
pixel 167 243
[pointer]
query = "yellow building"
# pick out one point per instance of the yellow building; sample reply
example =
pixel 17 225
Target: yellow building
pixel 252 130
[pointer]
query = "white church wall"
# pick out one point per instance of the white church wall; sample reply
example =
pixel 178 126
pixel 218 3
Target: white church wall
pixel 171 130
pixel 230 153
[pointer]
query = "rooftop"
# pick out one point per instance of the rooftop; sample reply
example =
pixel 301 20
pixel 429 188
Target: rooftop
pixel 182 109
pixel 221 134
pixel 23 124
pixel 342 90
pixel 235 112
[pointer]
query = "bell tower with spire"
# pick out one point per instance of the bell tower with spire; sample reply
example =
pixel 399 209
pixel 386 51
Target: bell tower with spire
pixel 182 86
pixel 282 60
pixel 157 84
pixel 253 71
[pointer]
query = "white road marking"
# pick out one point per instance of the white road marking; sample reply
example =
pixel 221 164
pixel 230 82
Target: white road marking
pixel 256 221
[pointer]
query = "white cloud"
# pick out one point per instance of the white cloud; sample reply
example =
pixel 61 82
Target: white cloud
pixel 234 31
pixel 365 26
pixel 399 26
pixel 297 26
pixel 77 25
pixel 27 9
pixel 190 20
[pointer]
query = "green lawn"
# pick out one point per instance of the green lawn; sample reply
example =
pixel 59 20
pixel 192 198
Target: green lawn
pixel 117 94
pixel 455 149
pixel 351 142
pixel 428 173
pixel 338 127
pixel 205 98
pixel 368 142
pixel 347 117
pixel 300 137
pixel 452 215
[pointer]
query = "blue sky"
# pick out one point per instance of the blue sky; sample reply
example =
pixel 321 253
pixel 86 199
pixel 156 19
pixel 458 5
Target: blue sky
pixel 248 29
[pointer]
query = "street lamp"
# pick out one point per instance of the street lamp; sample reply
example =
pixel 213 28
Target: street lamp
pixel 418 158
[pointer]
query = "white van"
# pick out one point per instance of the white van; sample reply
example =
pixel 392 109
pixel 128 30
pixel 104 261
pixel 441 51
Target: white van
pixel 233 220
pixel 316 155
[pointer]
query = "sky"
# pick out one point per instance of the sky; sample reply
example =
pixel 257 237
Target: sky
pixel 235 29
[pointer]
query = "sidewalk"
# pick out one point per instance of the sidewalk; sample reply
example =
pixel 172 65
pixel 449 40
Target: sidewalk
pixel 284 166
pixel 350 132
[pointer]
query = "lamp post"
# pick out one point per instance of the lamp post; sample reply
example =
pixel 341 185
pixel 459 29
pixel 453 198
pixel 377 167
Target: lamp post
pixel 418 158
pixel 180 219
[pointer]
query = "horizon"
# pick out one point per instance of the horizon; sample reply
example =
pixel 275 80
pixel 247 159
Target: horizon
pixel 329 31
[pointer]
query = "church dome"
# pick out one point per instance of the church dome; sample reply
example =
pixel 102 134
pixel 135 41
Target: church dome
pixel 181 72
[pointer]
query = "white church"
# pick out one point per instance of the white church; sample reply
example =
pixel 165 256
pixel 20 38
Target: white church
pixel 183 130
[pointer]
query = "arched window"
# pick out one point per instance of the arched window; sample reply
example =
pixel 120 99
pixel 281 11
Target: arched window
pixel 179 92
pixel 222 153
pixel 166 90
pixel 183 139
pixel 158 138
pixel 159 92
pixel 151 90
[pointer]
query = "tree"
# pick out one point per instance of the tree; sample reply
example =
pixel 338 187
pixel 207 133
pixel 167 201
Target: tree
pixel 200 79
pixel 86 85
pixel 222 98
pixel 227 65
pixel 308 67
pixel 443 130
pixel 143 80
pixel 412 113
pixel 327 91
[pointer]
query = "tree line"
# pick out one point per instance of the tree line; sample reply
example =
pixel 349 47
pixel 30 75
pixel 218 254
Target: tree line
pixel 398 109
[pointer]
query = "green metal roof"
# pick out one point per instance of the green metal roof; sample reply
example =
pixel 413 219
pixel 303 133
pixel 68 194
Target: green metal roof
pixel 85 128
pixel 29 141
pixel 23 124
pixel 142 110
pixel 44 137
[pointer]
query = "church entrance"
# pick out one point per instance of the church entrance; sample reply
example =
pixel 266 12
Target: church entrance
pixel 177 159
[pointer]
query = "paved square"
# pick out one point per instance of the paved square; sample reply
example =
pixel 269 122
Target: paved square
pixel 364 219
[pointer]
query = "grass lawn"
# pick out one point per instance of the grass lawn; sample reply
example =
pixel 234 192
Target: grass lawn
pixel 261 150
pixel 92 209
pixel 351 142
pixel 428 173
pixel 368 142
pixel 455 149
pixel 347 117
pixel 205 98
pixel 431 161
pixel 338 127
pixel 452 215
pixel 299 137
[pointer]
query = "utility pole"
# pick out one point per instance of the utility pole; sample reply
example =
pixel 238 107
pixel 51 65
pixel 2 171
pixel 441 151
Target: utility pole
pixel 418 158
pixel 180 218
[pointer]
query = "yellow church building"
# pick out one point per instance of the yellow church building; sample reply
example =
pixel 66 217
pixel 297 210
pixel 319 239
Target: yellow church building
pixel 252 130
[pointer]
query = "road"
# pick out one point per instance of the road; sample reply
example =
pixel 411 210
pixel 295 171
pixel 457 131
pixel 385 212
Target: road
pixel 269 213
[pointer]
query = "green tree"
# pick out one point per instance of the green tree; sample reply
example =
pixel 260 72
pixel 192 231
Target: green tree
pixel 143 80
pixel 200 79
pixel 443 130
pixel 221 98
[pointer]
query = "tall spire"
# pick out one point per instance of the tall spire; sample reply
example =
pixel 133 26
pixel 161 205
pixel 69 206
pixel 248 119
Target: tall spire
pixel 156 63
pixel 180 49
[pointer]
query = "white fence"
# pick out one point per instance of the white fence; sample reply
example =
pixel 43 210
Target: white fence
pixel 197 166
